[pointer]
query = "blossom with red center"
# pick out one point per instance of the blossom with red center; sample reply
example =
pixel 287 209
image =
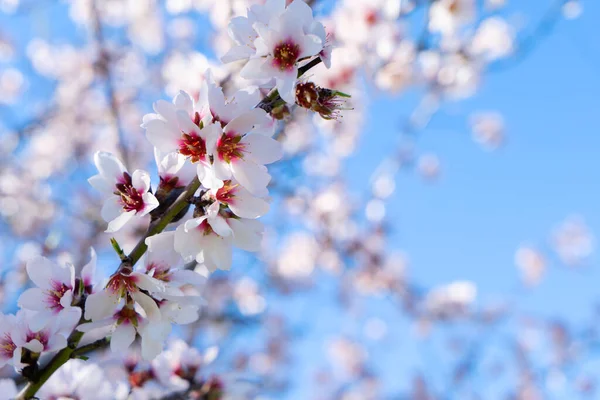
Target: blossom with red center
pixel 7 344
pixel 209 239
pixel 126 196
pixel 184 127
pixel 241 151
pixel 240 201
pixel 55 295
pixel 128 308
pixel 279 43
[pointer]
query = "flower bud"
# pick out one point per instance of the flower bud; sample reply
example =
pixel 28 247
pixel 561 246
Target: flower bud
pixel 326 102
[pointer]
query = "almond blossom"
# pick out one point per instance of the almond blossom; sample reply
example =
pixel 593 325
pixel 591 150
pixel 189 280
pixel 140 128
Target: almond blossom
pixel 208 239
pixel 276 43
pixel 126 196
pixel 56 291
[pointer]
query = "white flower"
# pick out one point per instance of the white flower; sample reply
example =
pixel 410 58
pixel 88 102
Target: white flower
pixel 209 238
pixel 240 201
pixel 275 42
pixel 173 170
pixel 127 196
pixel 493 40
pixel 242 152
pixel 9 354
pixel 177 304
pixel 223 138
pixel 16 334
pixel 79 380
pixel 55 292
pixel 447 16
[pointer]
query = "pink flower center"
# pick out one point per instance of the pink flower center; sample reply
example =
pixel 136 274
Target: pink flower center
pixel 285 55
pixel 227 193
pixel 205 228
pixel 7 347
pixel 229 147
pixel 121 284
pixel 54 295
pixel 131 198
pixel 162 272
pixel 193 146
pixel 127 315
pixel 40 336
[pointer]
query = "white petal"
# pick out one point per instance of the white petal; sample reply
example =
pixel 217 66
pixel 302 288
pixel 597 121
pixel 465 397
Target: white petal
pixel 40 271
pixel 122 338
pixel 184 101
pixel 100 305
pixel 219 225
pixel 247 233
pixel 256 68
pixel 108 165
pixel 140 180
pixel 120 221
pixel 253 177
pixel 150 203
pixel 166 110
pixel 247 121
pixel 184 276
pixel 311 45
pixel 162 135
pixel 89 270
pixel 262 149
pixel 219 252
pixel 102 185
pixel 148 304
pixel 32 299
pixel 286 85
pixel 111 208
pixel 221 169
pixel 237 53
pixel 245 205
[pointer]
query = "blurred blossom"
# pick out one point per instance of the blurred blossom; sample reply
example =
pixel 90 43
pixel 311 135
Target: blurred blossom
pixel 573 241
pixel 248 298
pixel 428 166
pixel 448 16
pixel 346 355
pixel 9 6
pixel 298 256
pixel 451 300
pixel 493 39
pixel 383 186
pixel 375 211
pixel 11 85
pixel 488 129
pixel 572 9
pixel 531 263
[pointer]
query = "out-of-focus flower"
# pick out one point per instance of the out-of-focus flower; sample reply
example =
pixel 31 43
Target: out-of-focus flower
pixel 451 300
pixel 448 16
pixel 493 39
pixel 573 241
pixel 531 263
pixel 78 379
pixel 488 129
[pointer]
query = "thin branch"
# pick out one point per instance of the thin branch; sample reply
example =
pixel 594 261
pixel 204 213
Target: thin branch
pixel 105 67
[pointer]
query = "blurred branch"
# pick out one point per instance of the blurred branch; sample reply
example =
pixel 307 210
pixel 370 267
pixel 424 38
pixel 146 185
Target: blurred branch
pixel 104 65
